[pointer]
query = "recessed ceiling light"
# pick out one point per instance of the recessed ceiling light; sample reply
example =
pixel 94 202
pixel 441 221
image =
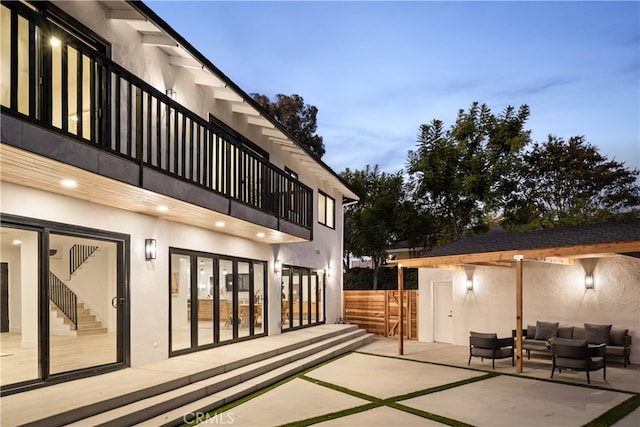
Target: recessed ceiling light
pixel 163 208
pixel 219 224
pixel 55 42
pixel 69 183
pixel 260 234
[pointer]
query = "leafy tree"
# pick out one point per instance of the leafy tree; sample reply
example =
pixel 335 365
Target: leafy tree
pixel 463 173
pixel 570 183
pixel 298 118
pixel 373 223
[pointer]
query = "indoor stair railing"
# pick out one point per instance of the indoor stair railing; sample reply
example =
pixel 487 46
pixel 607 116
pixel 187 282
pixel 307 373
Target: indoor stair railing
pixel 64 299
pixel 78 254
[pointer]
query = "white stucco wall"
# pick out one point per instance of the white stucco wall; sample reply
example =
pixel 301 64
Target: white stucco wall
pixel 551 293
pixel 149 279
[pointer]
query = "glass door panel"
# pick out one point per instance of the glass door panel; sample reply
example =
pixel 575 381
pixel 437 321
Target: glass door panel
pixel 180 282
pixel 244 307
pixel 314 296
pixel 305 297
pixel 226 295
pixel 295 297
pixel 83 303
pixel 320 297
pixel 205 301
pixel 286 301
pixel 258 298
pixel 19 281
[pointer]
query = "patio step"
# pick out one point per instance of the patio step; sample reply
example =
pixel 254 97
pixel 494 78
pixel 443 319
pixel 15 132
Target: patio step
pixel 167 403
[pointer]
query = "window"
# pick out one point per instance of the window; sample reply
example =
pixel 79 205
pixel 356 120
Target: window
pixel 326 210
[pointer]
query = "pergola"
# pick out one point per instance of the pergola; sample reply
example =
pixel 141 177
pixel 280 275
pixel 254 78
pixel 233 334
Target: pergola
pixel 505 250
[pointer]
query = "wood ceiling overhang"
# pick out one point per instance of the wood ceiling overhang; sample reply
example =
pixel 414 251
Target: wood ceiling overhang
pixel 563 255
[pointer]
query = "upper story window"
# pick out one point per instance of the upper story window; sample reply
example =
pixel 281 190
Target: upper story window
pixel 326 210
pixel 291 173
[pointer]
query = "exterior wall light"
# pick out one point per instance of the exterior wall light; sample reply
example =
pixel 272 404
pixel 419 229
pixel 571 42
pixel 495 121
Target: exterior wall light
pixel 588 281
pixel 329 271
pixel 150 249
pixel 278 266
pixel 172 94
pixel 469 284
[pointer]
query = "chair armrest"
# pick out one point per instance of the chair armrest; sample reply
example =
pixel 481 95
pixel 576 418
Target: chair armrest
pixel 505 342
pixel 598 350
pixel 627 340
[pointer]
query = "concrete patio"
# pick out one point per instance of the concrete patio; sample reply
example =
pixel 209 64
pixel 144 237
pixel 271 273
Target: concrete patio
pixel 428 386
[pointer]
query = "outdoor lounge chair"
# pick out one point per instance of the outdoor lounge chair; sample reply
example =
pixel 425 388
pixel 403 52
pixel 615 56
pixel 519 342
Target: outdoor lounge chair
pixel 489 346
pixel 578 355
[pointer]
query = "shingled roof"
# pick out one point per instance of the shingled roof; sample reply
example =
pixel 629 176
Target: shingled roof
pixel 610 237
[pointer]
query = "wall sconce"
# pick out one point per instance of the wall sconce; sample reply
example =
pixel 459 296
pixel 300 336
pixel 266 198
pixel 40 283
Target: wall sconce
pixel 150 249
pixel 172 94
pixel 588 281
pixel 329 271
pixel 278 266
pixel 469 284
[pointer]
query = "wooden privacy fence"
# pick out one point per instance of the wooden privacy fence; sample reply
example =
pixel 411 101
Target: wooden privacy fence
pixel 377 311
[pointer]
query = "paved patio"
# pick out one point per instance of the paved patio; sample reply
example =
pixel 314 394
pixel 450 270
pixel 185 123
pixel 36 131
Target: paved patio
pixel 375 387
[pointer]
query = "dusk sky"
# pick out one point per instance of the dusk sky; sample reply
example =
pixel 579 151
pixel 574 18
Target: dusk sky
pixel 378 70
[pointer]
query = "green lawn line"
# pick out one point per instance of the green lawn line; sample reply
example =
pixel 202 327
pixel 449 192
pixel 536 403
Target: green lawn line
pixel 341 389
pixel 334 415
pixel 441 387
pixel 616 413
pixel 429 415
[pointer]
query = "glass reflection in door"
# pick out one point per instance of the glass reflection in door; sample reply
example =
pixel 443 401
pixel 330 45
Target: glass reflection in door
pixel 206 291
pixel 180 282
pixel 84 303
pixel 227 298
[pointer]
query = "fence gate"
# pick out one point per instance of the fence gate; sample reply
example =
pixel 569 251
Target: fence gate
pixel 377 312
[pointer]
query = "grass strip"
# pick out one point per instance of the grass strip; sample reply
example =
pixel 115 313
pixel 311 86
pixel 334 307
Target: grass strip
pixel 334 415
pixel 441 387
pixel 616 413
pixel 341 389
pixel 429 415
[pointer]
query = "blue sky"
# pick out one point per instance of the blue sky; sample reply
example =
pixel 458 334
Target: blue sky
pixel 378 70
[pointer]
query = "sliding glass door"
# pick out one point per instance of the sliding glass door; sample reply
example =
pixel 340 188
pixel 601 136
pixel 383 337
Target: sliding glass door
pixel 302 297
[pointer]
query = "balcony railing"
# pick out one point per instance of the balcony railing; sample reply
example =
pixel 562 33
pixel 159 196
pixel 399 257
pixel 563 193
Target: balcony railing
pixel 52 78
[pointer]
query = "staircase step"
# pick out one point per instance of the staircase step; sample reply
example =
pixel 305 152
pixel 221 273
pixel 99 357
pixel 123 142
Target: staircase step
pixel 209 389
pixel 89 325
pixel 92 331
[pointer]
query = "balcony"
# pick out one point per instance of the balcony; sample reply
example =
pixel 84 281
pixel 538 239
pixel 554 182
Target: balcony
pixel 68 110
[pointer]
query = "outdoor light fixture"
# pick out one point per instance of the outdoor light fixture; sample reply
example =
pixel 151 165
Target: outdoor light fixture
pixel 150 249
pixel 329 271
pixel 588 281
pixel 172 94
pixel 278 266
pixel 469 284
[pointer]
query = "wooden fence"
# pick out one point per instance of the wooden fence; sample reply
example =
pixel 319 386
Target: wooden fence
pixel 377 311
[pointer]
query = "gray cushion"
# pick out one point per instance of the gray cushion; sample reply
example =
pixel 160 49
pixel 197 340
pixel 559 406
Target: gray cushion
pixel 565 332
pixel 597 334
pixel 578 333
pixel 616 336
pixel 531 332
pixel 483 335
pixel 546 330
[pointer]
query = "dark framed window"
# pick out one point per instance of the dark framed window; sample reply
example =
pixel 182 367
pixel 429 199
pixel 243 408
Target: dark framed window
pixel 326 210
pixel 302 297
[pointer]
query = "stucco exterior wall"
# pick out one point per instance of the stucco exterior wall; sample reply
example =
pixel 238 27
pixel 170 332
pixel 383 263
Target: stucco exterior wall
pixel 552 293
pixel 149 279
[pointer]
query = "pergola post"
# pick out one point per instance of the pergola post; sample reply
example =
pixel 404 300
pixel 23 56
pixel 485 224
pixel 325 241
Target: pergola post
pixel 518 259
pixel 400 311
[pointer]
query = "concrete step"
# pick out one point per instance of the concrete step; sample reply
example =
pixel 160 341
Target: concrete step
pixel 167 404
pixel 91 331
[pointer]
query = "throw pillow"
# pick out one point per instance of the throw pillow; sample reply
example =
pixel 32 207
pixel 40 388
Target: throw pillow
pixel 546 330
pixel 531 332
pixel 617 336
pixel 597 334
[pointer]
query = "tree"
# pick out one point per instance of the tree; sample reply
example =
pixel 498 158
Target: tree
pixel 570 183
pixel 464 173
pixel 298 118
pixel 373 223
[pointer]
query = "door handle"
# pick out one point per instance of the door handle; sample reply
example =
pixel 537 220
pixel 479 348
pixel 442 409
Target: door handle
pixel 114 302
pixel 450 314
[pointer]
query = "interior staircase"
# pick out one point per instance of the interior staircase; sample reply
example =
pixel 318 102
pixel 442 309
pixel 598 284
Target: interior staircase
pixel 87 322
pixel 192 383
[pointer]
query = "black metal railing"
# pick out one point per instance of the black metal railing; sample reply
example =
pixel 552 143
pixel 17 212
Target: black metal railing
pixel 78 254
pixel 64 299
pixel 62 83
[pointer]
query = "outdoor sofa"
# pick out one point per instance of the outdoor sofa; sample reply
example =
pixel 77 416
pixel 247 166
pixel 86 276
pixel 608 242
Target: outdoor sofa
pixel 537 337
